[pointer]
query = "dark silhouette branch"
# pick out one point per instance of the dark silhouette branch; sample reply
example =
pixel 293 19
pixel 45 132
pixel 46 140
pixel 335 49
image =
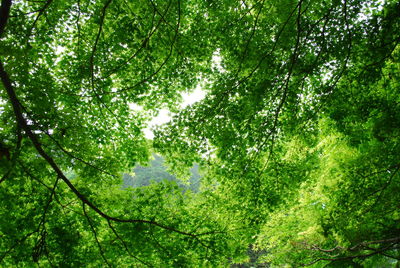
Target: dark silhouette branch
pixel 36 179
pixel 148 79
pixel 17 242
pixel 253 30
pixel 38 146
pixel 36 143
pixel 91 61
pixel 41 12
pixel 144 42
pixel 14 157
pixel 40 245
pixel 125 245
pixel 389 244
pixel 4 14
pixel 72 155
pixel 95 236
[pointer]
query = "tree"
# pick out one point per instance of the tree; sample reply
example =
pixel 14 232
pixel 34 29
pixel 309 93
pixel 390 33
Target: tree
pixel 65 78
pixel 301 124
pixel 157 172
pixel 298 135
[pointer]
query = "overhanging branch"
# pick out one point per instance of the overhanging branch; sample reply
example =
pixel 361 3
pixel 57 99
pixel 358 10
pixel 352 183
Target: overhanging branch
pixel 5 12
pixel 36 143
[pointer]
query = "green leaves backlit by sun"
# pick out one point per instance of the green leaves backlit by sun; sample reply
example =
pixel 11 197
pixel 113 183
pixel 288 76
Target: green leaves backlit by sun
pixel 297 137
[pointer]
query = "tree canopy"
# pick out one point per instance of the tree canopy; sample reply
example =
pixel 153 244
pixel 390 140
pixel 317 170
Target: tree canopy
pixel 297 138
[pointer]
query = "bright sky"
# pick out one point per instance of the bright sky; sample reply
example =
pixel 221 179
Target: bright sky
pixel 188 99
pixel 165 115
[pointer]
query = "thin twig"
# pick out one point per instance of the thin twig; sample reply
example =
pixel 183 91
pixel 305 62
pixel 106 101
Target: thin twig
pixel 95 236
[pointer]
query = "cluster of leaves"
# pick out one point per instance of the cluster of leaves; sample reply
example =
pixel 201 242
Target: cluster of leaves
pixel 301 130
pixel 298 135
pixel 69 72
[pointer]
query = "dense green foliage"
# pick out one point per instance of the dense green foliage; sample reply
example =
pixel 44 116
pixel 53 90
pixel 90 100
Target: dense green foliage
pixel 298 136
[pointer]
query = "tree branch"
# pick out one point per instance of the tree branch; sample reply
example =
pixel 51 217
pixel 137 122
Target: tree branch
pixel 5 9
pixel 14 157
pixel 41 11
pixel 91 61
pixel 4 15
pixel 95 236
pixel 125 246
pixel 359 247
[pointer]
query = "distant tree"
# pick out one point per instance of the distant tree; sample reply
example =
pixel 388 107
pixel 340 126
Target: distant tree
pixel 156 172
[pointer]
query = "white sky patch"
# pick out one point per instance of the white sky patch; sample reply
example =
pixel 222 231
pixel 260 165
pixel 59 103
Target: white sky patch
pixel 59 50
pixel 135 107
pixel 193 97
pixel 217 61
pixel 164 115
pixel 369 8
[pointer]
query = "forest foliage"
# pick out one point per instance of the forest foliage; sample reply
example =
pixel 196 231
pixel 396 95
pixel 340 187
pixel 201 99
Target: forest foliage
pixel 156 172
pixel 297 138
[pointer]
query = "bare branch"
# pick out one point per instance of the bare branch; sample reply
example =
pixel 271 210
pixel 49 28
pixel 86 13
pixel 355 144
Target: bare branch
pixel 95 236
pixel 125 246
